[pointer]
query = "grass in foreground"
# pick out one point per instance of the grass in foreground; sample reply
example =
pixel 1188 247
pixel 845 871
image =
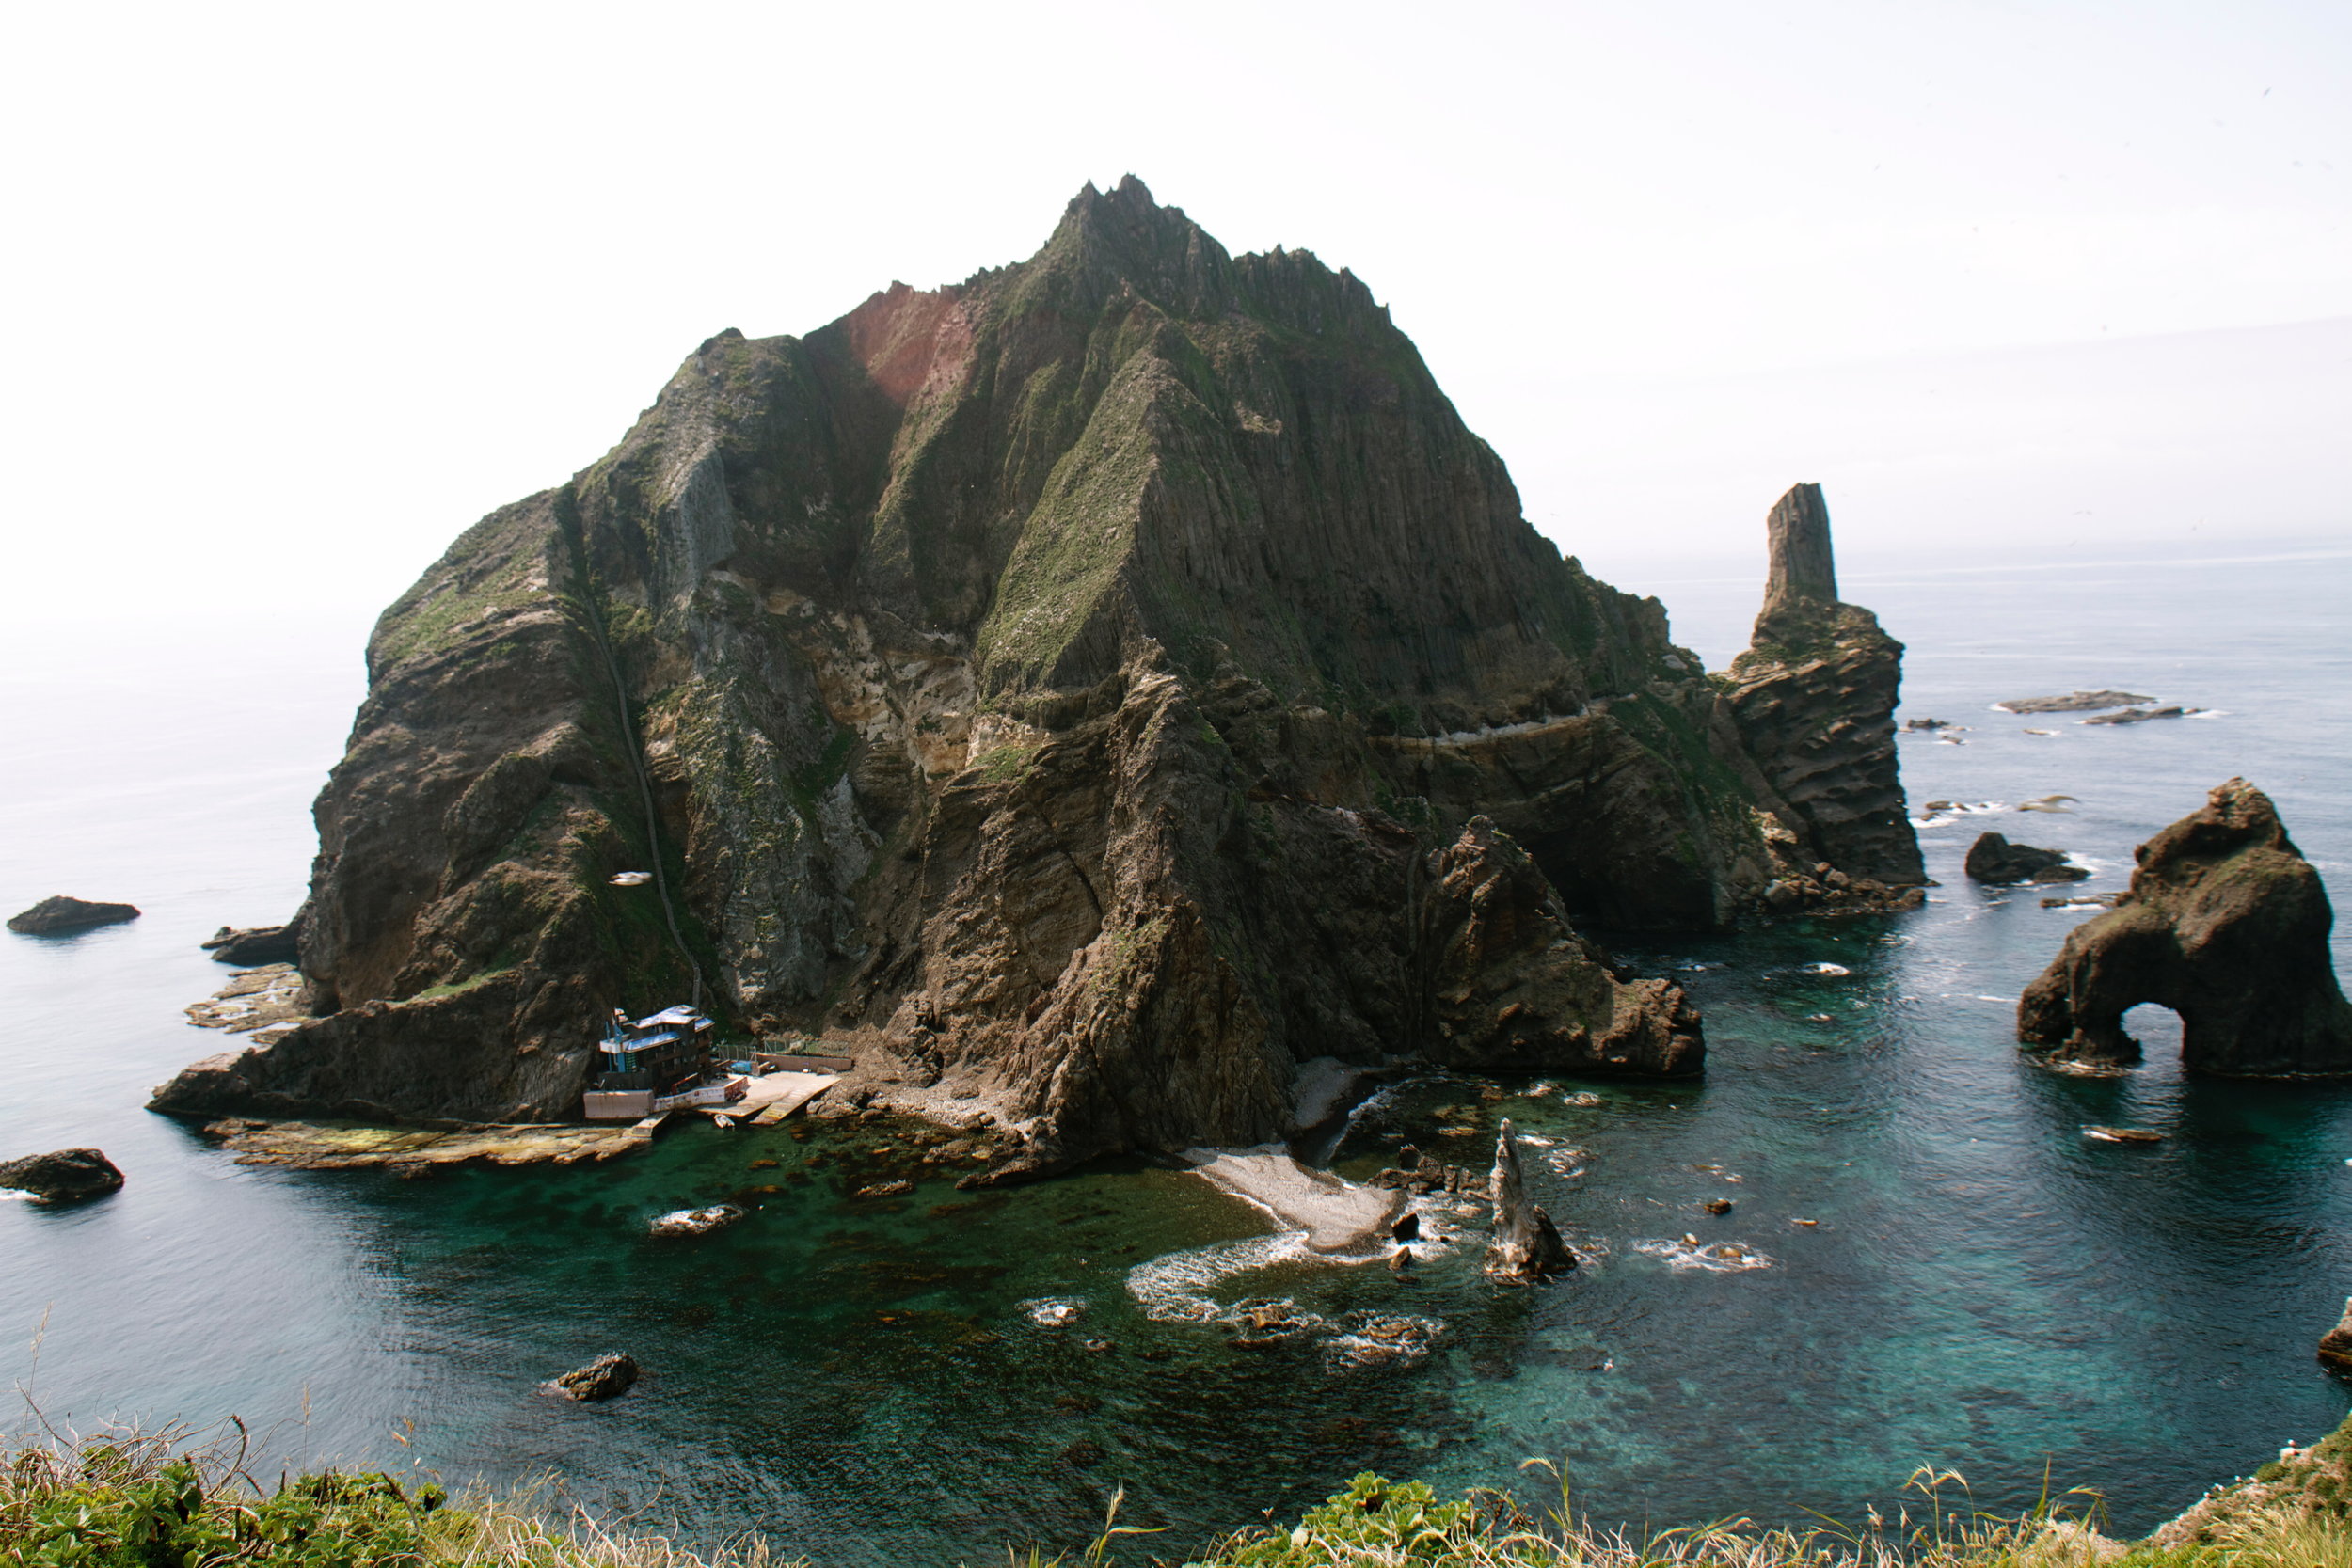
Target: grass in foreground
pixel 134 1500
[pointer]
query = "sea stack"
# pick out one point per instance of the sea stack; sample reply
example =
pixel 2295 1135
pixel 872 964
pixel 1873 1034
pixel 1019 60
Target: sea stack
pixel 1814 698
pixel 1071 693
pixel 1526 1244
pixel 2226 924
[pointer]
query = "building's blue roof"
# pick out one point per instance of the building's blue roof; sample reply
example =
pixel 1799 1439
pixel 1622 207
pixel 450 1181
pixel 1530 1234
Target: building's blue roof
pixel 640 1043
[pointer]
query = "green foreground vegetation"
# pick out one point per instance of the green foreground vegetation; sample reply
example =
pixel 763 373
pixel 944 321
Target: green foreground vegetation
pixel 163 1501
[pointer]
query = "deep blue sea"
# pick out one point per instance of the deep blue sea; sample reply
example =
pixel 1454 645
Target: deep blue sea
pixel 1984 1289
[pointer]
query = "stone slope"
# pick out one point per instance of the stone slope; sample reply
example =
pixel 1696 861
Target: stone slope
pixel 1073 687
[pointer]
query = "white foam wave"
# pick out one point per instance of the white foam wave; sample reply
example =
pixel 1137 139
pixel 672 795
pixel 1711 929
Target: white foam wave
pixel 1053 1311
pixel 1172 1289
pixel 1714 1257
pixel 1169 1287
pixel 1381 1340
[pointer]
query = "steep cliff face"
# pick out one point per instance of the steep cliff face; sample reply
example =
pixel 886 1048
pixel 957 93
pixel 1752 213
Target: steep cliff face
pixel 1814 699
pixel 2227 925
pixel 1074 687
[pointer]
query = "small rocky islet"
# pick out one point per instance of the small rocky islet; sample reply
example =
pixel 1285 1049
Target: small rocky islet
pixel 1993 859
pixel 57 915
pixel 1083 699
pixel 62 1176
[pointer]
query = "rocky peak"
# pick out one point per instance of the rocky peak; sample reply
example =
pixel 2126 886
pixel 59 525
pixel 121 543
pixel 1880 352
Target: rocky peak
pixel 1123 236
pixel 2236 818
pixel 1800 583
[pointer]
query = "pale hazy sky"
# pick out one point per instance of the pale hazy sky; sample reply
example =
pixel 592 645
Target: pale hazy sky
pixel 293 293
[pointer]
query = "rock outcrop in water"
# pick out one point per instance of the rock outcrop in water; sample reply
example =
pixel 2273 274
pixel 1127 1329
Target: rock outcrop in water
pixel 1526 1244
pixel 606 1377
pixel 60 913
pixel 2335 1346
pixel 62 1177
pixel 1994 859
pixel 1513 986
pixel 1813 698
pixel 254 945
pixel 1071 691
pixel 2073 701
pixel 2226 924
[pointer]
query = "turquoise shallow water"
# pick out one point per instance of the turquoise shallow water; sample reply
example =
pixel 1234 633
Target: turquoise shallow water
pixel 1984 1288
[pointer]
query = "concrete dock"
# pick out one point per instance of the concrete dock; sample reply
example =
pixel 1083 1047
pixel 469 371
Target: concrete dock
pixel 770 1099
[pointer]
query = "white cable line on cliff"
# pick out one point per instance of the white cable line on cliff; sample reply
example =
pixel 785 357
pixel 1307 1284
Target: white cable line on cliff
pixel 644 789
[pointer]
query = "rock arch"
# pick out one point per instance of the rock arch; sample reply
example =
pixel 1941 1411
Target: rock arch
pixel 2227 925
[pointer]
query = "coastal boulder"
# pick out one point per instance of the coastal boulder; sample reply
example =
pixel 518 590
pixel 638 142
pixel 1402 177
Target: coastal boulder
pixel 1994 859
pixel 63 1176
pixel 60 913
pixel 2226 924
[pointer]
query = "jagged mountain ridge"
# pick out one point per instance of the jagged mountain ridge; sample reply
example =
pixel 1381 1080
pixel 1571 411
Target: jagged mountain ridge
pixel 1061 684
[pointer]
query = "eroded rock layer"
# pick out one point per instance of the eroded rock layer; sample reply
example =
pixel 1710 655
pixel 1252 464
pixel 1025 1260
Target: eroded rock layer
pixel 1073 688
pixel 2226 924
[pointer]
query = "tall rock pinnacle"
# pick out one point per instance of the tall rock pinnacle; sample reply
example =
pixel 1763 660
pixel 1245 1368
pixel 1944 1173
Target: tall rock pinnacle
pixel 1815 702
pixel 1802 578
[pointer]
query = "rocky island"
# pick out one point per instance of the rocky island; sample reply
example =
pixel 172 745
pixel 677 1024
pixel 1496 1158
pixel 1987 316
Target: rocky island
pixel 1086 694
